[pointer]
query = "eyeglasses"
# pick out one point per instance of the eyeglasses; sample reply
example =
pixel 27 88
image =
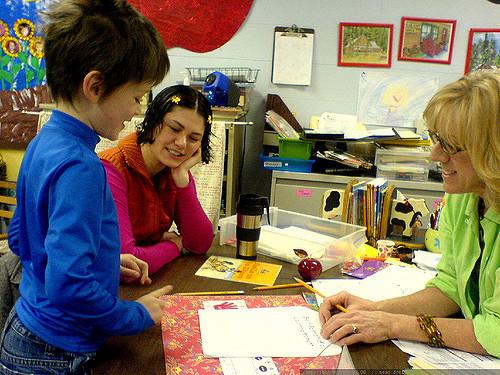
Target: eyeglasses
pixel 448 148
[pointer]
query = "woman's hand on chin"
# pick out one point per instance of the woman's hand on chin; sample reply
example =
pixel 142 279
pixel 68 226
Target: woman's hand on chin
pixel 180 173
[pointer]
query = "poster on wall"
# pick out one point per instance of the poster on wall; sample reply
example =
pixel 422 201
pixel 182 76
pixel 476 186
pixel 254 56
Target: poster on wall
pixel 393 100
pixel 426 40
pixel 483 50
pixel 22 63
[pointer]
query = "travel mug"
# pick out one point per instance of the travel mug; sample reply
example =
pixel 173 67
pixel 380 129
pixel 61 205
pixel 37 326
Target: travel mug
pixel 249 210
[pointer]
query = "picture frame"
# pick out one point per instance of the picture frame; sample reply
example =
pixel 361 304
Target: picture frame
pixel 365 44
pixel 426 40
pixel 480 41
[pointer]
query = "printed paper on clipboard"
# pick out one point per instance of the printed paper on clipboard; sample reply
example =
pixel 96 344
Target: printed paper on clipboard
pixel 292 56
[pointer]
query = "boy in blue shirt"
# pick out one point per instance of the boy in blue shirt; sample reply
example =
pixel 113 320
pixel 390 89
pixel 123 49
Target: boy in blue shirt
pixel 102 57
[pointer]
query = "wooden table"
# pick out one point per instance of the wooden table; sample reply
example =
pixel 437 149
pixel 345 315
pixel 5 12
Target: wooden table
pixel 143 353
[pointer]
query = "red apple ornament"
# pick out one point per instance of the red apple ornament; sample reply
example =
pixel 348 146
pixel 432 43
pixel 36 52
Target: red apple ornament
pixel 309 268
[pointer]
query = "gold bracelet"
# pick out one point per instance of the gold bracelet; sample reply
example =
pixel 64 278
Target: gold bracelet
pixel 429 327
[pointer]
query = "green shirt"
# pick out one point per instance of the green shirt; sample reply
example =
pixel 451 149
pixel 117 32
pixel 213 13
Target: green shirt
pixel 458 236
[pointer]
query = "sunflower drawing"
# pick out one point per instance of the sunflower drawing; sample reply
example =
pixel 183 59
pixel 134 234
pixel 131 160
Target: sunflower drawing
pixel 11 46
pixel 36 47
pixel 24 29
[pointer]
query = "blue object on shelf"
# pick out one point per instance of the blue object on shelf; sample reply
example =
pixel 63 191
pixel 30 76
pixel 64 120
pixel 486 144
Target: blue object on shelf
pixel 221 91
pixel 286 164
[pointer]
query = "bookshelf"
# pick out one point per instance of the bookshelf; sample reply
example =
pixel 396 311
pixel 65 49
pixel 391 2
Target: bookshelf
pixel 303 192
pixel 233 157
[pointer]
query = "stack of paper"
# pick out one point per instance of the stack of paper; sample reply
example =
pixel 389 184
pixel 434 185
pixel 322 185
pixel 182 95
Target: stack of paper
pixel 345 158
pixel 425 357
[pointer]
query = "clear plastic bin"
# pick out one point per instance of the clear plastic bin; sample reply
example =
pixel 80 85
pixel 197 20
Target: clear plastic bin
pixel 403 163
pixel 331 240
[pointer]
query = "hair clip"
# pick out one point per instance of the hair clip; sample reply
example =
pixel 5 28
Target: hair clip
pixel 209 120
pixel 175 99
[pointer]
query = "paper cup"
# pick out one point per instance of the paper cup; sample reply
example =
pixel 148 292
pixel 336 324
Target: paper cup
pixel 385 248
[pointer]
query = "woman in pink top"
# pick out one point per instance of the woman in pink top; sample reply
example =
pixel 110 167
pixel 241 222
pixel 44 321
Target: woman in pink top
pixel 148 173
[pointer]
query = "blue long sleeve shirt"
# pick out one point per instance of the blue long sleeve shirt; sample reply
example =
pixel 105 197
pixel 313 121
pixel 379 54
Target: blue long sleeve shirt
pixel 66 232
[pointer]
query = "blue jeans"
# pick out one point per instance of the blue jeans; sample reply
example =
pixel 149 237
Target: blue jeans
pixel 22 352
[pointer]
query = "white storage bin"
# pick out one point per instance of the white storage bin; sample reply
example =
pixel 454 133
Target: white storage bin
pixel 326 240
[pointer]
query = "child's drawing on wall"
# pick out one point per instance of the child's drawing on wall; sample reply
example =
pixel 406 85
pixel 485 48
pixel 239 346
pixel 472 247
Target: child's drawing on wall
pixel 393 100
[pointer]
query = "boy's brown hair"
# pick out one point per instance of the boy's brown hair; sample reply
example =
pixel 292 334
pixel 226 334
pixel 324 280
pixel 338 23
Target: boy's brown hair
pixel 108 36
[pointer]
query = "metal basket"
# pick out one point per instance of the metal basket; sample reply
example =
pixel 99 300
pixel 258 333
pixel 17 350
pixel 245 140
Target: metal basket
pixel 236 74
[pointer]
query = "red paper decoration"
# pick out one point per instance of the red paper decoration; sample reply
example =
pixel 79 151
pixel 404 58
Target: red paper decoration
pixel 196 25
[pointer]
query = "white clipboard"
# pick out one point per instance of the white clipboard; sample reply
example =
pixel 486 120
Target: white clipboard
pixel 292 55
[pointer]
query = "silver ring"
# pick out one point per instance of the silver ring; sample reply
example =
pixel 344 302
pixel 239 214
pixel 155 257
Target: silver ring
pixel 355 329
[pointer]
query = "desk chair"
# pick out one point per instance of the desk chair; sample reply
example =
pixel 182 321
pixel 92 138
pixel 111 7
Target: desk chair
pixel 6 198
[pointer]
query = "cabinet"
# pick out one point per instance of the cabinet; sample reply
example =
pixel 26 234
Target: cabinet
pixel 303 192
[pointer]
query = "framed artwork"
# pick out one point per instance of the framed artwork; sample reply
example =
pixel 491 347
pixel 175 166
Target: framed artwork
pixel 483 51
pixel 426 40
pixel 365 44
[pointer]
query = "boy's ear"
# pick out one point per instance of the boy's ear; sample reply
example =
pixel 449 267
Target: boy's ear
pixel 92 86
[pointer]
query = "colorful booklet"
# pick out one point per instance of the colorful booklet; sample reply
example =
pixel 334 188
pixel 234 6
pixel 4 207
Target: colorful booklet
pixel 368 268
pixel 244 271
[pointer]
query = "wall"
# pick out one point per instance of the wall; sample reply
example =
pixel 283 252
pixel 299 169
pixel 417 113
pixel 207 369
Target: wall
pixel 333 88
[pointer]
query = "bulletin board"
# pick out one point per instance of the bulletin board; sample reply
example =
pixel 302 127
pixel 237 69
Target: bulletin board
pixel 292 55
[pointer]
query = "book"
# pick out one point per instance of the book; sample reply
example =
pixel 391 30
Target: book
pixel 181 335
pixel 280 125
pixel 244 271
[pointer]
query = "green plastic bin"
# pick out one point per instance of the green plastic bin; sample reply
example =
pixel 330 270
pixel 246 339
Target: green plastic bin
pixel 295 148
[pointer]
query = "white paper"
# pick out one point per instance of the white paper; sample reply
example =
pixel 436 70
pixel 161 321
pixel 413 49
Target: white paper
pixel 272 332
pixel 336 123
pixel 292 58
pixel 390 282
pixel 241 366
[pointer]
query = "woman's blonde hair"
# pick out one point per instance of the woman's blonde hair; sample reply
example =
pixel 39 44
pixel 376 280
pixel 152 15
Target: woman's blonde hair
pixel 466 114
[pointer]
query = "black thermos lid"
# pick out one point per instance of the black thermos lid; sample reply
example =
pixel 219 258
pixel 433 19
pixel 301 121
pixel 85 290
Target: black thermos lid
pixel 251 204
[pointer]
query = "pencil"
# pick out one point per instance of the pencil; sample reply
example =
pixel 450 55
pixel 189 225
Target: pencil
pixel 279 286
pixel 219 293
pixel 315 291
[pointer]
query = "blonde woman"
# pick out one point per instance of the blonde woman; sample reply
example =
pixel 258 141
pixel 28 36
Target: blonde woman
pixel 464 124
